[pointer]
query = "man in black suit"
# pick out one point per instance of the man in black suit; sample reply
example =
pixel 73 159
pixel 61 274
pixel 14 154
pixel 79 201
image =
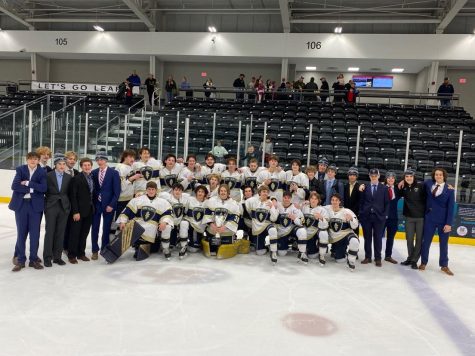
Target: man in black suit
pixel 71 159
pixel 374 210
pixel 352 194
pixel 57 209
pixel 82 211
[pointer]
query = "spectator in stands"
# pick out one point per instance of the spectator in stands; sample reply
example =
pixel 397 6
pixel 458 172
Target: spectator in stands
pixel 414 196
pixel 219 152
pixel 129 95
pixel 151 84
pixel 270 85
pixel 439 216
pixel 351 92
pixel 311 87
pixel 251 86
pixel 45 155
pixel 186 85
pixel 324 89
pixel 339 89
pixel 121 91
pixel 29 186
pixel 209 88
pixel 239 85
pixel 299 86
pixel 268 149
pixel 281 89
pixel 134 79
pixel 170 88
pixel 250 154
pixel 260 90
pixel 446 89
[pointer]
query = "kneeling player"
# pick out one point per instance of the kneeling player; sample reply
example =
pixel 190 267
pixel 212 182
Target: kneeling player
pixel 316 222
pixel 149 211
pixel 222 217
pixel 290 227
pixel 179 203
pixel 341 223
pixel 263 213
pixel 195 215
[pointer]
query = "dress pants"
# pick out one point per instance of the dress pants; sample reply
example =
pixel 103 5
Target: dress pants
pixel 373 228
pixel 414 226
pixel 28 221
pixel 429 231
pixel 106 227
pixel 78 237
pixel 55 219
pixel 391 229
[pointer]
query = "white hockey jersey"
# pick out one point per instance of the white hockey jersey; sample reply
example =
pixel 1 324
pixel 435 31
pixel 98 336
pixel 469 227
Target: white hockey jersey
pixel 234 182
pixel 250 177
pixel 168 177
pixel 311 222
pixel 149 213
pixel 150 172
pixel 217 168
pixel 195 214
pixel 277 184
pixel 262 214
pixel 190 179
pixel 301 180
pixel 284 223
pixel 338 227
pixel 179 207
pixel 230 211
pixel 126 186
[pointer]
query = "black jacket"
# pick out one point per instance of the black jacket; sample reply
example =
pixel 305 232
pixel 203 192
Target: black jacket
pixel 414 200
pixel 54 195
pixel 239 83
pixel 316 185
pixel 352 201
pixel 80 196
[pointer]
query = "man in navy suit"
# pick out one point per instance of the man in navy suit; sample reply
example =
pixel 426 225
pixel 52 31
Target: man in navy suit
pixel 391 225
pixel 332 185
pixel 374 209
pixel 106 194
pixel 439 216
pixel 28 202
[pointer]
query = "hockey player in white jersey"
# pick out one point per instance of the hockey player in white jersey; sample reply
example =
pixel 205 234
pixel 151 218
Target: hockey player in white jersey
pixel 211 167
pixel 264 214
pixel 222 218
pixel 316 222
pixel 127 178
pixel 151 212
pixel 149 168
pixel 274 178
pixel 250 174
pixel 341 223
pixel 169 173
pixel 195 215
pixel 179 235
pixel 233 178
pixel 245 223
pixel 297 182
pixel 213 186
pixel 190 175
pixel 290 227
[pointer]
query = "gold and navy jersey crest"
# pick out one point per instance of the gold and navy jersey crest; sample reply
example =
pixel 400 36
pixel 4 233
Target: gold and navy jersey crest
pixel 178 210
pixel 146 172
pixel 309 220
pixel 336 224
pixel 284 220
pixel 147 213
pixel 261 215
pixel 198 214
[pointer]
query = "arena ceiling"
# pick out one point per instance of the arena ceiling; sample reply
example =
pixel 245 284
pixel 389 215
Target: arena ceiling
pixel 306 16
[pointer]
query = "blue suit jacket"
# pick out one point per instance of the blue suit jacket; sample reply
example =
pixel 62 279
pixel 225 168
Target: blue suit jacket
pixel 377 204
pixel 439 209
pixel 37 183
pixel 110 190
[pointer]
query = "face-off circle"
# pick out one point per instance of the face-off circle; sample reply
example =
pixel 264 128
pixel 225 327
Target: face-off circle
pixel 309 324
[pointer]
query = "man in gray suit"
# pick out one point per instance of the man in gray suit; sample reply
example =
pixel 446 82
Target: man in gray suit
pixel 57 208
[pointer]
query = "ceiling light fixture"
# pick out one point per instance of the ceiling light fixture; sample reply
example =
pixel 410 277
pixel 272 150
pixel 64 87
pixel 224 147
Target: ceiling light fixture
pixel 310 68
pixel 338 29
pixel 353 69
pixel 98 28
pixel 212 29
pixel 397 70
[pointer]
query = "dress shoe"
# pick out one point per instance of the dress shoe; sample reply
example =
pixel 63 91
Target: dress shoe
pixel 366 261
pixel 35 265
pixel 446 270
pixel 378 263
pixel 83 258
pixel 391 260
pixel 59 261
pixel 18 267
pixel 15 260
pixel 73 261
pixel 414 265
pixel 422 267
pixel 48 263
pixel 39 260
pixel 94 256
pixel 406 263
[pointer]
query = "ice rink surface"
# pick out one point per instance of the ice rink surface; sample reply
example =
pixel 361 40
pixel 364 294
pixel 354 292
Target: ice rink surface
pixel 240 306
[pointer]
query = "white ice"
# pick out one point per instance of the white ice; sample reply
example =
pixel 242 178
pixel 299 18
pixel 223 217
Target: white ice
pixel 240 306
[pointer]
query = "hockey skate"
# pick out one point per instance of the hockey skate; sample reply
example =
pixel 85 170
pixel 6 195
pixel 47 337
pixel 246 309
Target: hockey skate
pixel 321 260
pixel 351 266
pixel 167 253
pixel 273 257
pixel 182 252
pixel 303 258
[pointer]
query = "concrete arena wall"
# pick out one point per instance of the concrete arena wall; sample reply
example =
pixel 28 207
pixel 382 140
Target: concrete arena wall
pixel 15 69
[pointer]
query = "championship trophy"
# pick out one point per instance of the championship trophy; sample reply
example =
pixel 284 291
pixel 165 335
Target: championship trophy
pixel 220 216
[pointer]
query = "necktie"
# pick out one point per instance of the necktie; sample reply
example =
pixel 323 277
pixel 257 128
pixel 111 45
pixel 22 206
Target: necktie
pixel 101 176
pixel 71 172
pixel 351 188
pixel 434 191
pixel 373 190
pixel 390 193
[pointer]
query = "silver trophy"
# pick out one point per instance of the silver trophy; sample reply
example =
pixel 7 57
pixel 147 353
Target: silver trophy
pixel 220 216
